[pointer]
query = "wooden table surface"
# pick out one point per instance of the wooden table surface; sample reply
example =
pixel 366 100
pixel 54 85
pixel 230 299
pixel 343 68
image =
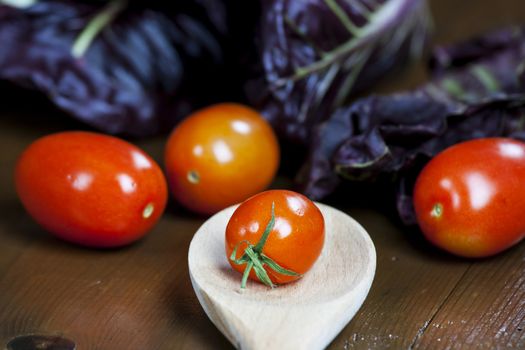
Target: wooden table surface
pixel 140 297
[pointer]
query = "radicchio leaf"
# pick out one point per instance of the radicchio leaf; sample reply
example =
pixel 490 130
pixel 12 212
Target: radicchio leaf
pixel 315 53
pixel 475 92
pixel 141 71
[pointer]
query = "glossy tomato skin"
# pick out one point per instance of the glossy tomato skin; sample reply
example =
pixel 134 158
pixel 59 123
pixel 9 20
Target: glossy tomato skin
pixel 470 199
pixel 220 156
pixel 91 189
pixel 296 240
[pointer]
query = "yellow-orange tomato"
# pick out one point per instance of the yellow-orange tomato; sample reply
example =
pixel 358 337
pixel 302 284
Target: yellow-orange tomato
pixel 220 156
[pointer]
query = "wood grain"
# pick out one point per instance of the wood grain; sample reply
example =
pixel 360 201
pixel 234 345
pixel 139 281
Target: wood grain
pixel 486 309
pixel 412 283
pixel 306 314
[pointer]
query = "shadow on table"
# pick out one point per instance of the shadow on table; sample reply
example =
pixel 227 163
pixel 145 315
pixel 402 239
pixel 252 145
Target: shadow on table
pixel 16 224
pixel 188 315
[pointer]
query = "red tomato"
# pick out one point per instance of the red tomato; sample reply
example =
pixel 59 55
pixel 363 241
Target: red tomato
pixel 91 189
pixel 470 199
pixel 220 156
pixel 294 242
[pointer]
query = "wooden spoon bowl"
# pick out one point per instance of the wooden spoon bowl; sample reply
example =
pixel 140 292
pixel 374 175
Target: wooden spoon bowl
pixel 306 314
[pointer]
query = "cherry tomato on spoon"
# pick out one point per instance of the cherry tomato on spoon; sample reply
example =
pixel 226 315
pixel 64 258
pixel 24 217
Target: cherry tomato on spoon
pixel 91 189
pixel 470 199
pixel 282 230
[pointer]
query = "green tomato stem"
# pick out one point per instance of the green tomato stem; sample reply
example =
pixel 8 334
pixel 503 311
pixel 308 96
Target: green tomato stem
pixel 246 274
pixel 254 258
pixel 258 248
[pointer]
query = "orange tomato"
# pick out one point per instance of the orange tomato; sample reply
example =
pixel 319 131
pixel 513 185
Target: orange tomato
pixel 220 156
pixel 91 189
pixel 294 242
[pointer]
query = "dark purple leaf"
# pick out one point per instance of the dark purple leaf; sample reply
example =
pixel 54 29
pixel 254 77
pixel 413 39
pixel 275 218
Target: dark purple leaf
pixel 144 70
pixel 473 94
pixel 315 53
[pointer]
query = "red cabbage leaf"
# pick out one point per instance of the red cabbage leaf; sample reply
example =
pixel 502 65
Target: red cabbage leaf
pixel 119 67
pixel 316 53
pixel 476 91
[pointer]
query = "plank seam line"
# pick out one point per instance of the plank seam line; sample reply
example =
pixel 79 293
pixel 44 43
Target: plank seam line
pixel 427 323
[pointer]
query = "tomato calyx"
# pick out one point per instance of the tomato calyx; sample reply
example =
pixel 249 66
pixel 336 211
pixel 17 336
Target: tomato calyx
pixel 254 258
pixel 148 210
pixel 193 177
pixel 437 210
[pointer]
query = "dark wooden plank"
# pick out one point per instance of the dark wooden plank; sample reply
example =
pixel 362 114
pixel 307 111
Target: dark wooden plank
pixel 15 233
pixel 412 281
pixel 460 20
pixel 486 310
pixel 139 297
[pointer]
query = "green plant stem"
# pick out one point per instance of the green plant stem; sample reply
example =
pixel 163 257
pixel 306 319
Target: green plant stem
pixel 486 78
pixel 21 4
pixel 341 14
pixel 377 24
pixel 95 26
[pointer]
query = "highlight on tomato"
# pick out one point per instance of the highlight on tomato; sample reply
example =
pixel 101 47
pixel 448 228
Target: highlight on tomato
pixel 470 199
pixel 274 237
pixel 91 189
pixel 220 156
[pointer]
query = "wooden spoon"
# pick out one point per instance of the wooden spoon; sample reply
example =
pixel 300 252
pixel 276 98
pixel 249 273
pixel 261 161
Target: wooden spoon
pixel 306 314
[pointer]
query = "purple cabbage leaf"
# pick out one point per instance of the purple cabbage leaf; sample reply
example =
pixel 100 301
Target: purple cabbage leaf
pixel 475 91
pixel 316 53
pixel 118 66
